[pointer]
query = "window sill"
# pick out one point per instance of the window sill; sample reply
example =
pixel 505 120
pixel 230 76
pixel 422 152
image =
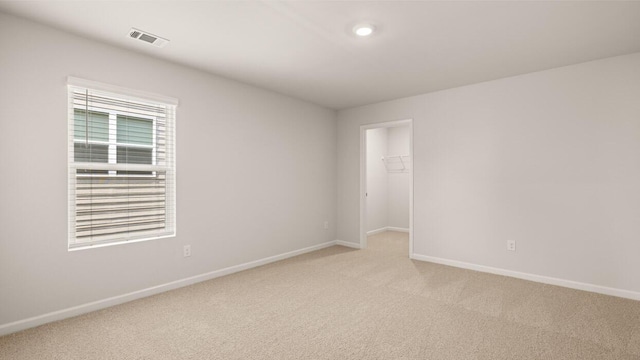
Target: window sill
pixel 101 245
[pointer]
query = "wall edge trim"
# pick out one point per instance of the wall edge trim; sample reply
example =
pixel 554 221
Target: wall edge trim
pixel 398 229
pixel 348 244
pixel 622 293
pixel 57 315
pixel 387 228
pixel 376 231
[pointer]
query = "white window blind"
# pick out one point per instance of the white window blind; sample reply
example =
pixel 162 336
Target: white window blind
pixel 121 167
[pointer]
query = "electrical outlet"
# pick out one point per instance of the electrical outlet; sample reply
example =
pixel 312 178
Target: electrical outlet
pixel 511 245
pixel 186 251
pixel 326 224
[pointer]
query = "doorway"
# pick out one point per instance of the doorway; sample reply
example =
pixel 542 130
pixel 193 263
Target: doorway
pixel 386 180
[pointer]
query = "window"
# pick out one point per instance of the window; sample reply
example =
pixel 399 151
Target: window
pixel 121 165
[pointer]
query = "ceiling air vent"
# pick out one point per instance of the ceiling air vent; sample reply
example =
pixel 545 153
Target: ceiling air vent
pixel 147 37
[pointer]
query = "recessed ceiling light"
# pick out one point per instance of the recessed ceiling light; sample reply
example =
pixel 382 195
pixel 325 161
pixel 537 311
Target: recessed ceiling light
pixel 363 29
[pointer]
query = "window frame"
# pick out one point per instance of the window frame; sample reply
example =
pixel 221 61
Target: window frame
pixel 112 146
pixel 113 167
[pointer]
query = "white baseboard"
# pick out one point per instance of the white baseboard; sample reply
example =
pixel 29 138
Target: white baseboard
pixel 532 277
pixel 348 244
pixel 376 231
pixel 120 299
pixel 387 228
pixel 398 229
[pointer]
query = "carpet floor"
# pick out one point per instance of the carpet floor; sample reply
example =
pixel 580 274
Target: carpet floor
pixel 340 303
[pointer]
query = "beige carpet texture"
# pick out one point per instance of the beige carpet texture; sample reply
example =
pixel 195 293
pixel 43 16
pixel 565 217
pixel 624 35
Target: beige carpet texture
pixel 340 303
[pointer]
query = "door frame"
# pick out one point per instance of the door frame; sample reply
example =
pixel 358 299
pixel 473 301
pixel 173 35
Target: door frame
pixel 363 177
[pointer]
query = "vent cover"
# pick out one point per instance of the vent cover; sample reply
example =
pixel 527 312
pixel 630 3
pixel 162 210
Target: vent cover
pixel 147 37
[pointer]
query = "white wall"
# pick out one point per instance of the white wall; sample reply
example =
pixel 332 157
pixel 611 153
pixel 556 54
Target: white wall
pixel 255 173
pixel 377 180
pixel 398 182
pixel 550 159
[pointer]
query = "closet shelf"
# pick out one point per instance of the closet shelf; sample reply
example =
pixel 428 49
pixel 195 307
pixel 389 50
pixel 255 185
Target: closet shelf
pixel 396 163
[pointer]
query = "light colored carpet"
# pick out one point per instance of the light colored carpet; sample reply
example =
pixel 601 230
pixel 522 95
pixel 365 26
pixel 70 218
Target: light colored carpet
pixel 340 303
